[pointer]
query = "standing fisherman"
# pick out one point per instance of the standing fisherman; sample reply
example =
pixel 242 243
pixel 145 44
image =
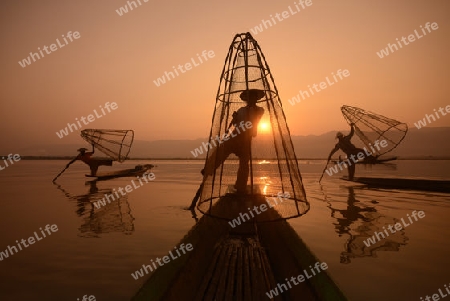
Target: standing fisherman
pixel 349 149
pixel 240 144
pixel 93 163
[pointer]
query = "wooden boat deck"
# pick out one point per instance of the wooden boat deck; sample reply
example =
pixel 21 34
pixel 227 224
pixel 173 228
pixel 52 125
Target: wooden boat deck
pixel 241 263
pixel 240 270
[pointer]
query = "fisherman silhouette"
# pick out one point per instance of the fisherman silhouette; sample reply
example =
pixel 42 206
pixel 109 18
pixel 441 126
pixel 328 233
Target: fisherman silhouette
pixel 241 139
pixel 93 163
pixel 350 150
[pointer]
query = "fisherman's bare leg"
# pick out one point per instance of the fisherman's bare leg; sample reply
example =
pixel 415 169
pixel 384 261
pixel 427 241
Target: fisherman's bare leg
pixel 243 171
pixel 218 156
pixel 351 171
pixel 94 168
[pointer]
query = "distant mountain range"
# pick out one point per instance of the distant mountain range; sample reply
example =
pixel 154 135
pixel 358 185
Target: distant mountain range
pixel 432 142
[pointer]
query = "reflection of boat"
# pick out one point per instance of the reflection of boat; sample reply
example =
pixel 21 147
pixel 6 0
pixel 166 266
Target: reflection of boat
pixel 114 217
pixel 404 183
pixel 241 263
pixel 139 170
pixel 359 222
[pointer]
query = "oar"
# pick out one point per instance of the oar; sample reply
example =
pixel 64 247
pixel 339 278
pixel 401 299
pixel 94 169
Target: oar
pixel 67 166
pixel 323 172
pixel 196 197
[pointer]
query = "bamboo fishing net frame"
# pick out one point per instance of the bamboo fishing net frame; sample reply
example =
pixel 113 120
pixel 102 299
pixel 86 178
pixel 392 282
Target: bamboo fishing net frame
pixel 116 144
pixel 370 127
pixel 246 68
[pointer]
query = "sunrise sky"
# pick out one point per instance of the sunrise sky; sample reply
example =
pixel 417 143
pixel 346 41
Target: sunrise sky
pixel 118 58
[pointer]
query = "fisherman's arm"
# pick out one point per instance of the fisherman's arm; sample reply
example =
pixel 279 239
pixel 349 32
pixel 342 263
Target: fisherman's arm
pixel 335 149
pixel 352 131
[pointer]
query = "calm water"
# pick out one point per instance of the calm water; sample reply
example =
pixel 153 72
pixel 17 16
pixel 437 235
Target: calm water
pixel 95 251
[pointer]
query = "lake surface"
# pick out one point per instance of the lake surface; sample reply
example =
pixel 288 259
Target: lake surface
pixel 94 251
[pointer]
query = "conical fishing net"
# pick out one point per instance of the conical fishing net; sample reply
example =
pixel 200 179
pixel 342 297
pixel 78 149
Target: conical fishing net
pixel 370 127
pixel 113 143
pixel 250 153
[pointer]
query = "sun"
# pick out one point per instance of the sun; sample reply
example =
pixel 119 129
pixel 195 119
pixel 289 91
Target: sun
pixel 264 127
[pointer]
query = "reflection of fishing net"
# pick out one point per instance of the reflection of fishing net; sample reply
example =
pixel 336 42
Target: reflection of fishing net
pixel 371 127
pixel 246 69
pixel 364 243
pixel 111 217
pixel 113 143
pixel 114 217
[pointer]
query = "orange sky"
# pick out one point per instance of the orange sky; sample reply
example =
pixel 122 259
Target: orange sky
pixel 117 58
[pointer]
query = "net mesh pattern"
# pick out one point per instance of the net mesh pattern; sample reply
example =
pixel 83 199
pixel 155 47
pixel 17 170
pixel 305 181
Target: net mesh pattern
pixel 273 167
pixel 116 144
pixel 371 127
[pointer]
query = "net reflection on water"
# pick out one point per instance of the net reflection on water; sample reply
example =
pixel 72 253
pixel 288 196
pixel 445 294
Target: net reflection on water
pixel 360 222
pixel 114 217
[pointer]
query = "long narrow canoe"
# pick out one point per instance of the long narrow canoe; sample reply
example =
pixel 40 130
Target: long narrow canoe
pixel 241 263
pixel 368 161
pixel 139 170
pixel 405 183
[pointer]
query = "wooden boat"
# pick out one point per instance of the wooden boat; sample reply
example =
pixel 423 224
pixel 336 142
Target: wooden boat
pixel 404 183
pixel 139 170
pixel 254 259
pixel 367 161
pixel 241 263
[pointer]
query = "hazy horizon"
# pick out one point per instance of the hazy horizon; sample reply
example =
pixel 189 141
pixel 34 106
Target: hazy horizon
pixel 117 59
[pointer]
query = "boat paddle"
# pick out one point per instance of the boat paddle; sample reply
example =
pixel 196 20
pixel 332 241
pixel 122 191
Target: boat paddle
pixel 67 166
pixel 323 172
pixel 196 197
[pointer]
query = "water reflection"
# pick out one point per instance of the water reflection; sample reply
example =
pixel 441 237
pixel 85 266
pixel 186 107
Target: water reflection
pixel 359 222
pixel 113 217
